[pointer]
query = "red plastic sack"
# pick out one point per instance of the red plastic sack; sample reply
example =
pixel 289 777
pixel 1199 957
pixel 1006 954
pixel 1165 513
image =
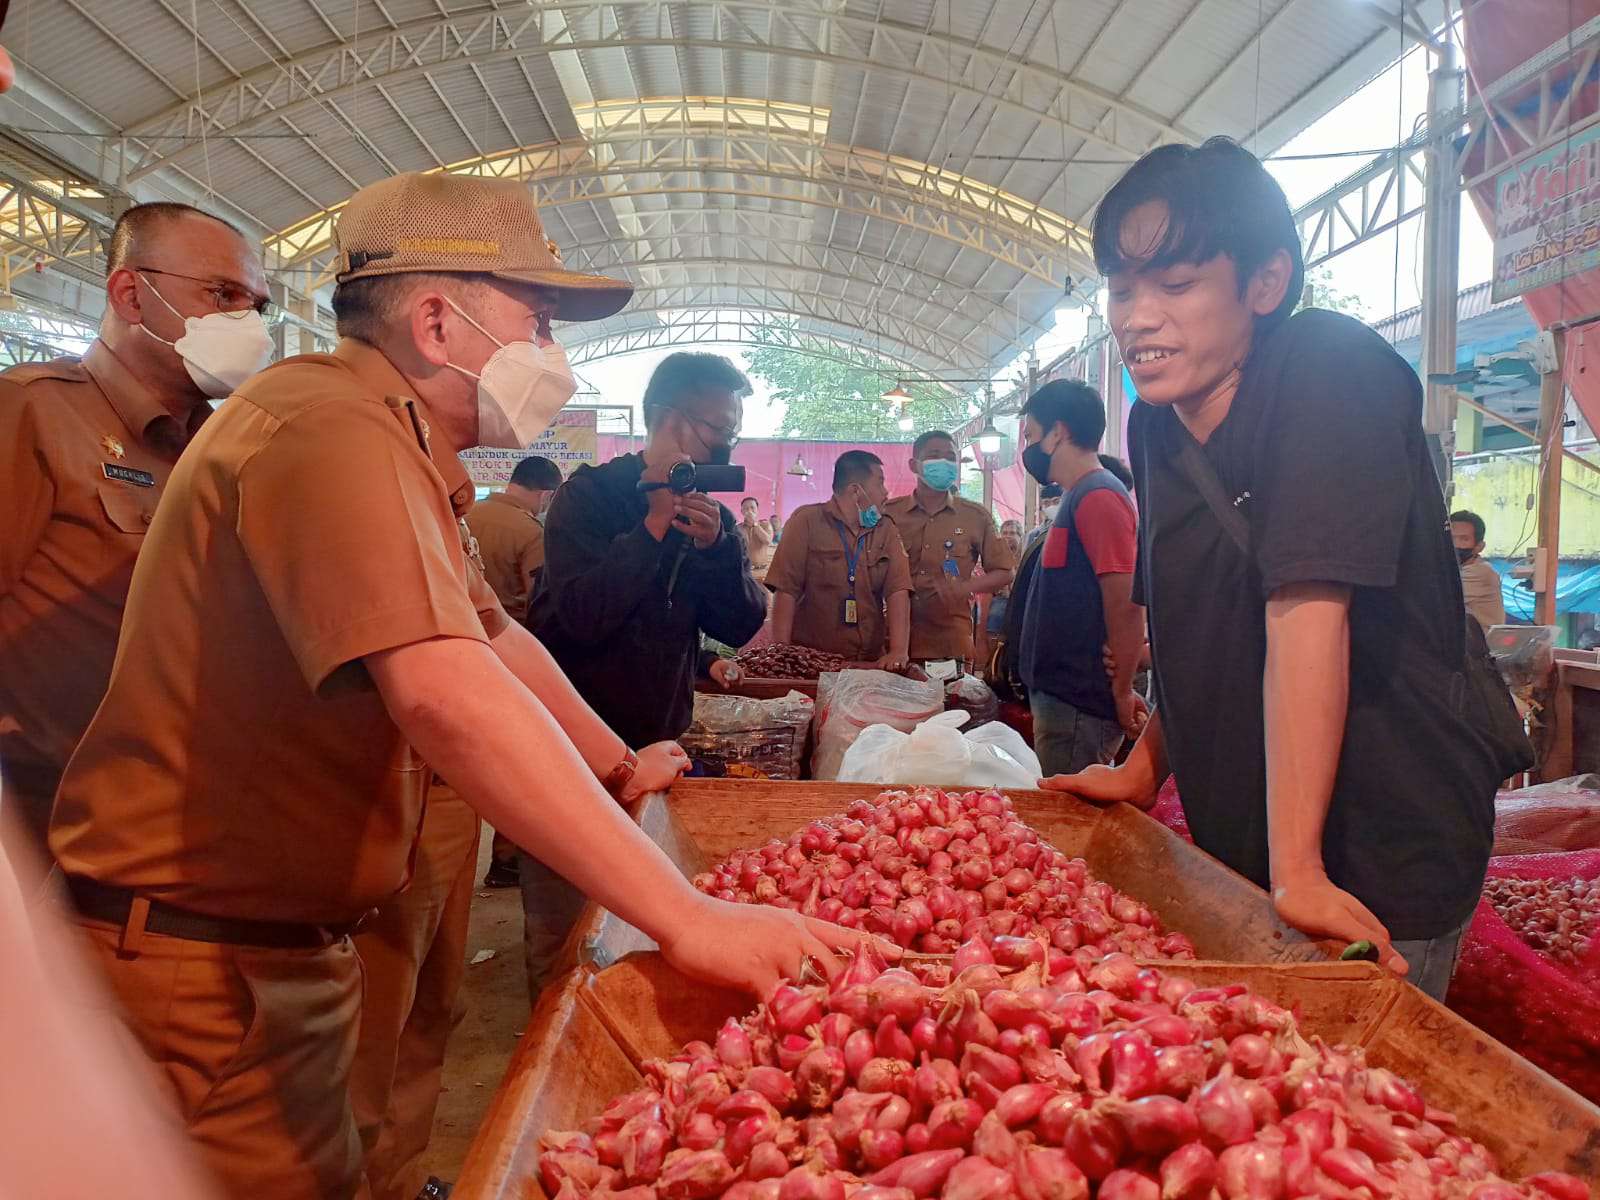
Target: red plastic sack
pixel 1169 810
pixel 1563 815
pixel 1542 1009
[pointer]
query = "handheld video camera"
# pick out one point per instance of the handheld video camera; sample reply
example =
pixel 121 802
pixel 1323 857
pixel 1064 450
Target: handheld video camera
pixel 683 478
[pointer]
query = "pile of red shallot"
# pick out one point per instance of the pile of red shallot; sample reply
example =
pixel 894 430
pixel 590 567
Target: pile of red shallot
pixel 932 869
pixel 1558 917
pixel 1109 1079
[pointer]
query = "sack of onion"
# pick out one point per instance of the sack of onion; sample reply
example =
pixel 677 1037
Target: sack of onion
pixel 1530 964
pixel 1100 1078
pixel 932 869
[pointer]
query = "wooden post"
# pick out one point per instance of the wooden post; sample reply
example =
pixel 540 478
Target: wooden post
pixel 1552 413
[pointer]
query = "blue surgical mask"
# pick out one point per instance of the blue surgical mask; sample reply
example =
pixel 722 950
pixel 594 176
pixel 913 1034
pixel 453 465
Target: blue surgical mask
pixel 940 473
pixel 870 516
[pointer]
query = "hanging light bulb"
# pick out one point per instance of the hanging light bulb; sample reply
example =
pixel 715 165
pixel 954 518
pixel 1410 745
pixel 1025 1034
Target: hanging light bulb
pixel 799 468
pixel 898 394
pixel 905 423
pixel 989 438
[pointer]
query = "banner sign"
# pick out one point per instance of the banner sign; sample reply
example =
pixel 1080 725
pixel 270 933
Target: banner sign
pixel 568 443
pixel 1547 216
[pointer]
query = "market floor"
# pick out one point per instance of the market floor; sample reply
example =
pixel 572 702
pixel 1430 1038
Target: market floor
pixel 494 1007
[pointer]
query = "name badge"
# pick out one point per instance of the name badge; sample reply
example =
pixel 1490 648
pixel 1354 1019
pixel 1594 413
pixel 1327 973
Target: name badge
pixel 850 611
pixel 128 475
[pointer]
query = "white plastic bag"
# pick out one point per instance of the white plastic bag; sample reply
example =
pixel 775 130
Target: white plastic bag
pixel 849 701
pixel 938 754
pixel 1008 749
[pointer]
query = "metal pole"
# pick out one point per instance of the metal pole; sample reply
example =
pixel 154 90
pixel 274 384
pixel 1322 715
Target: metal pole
pixel 1552 414
pixel 1441 241
pixel 1030 489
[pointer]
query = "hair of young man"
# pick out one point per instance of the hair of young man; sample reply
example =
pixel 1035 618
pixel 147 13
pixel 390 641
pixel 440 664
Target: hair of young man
pixel 537 474
pixel 130 236
pixel 368 308
pixel 853 466
pixel 918 446
pixel 1110 462
pixel 1073 404
pixel 679 378
pixel 1051 491
pixel 1219 200
pixel 1465 516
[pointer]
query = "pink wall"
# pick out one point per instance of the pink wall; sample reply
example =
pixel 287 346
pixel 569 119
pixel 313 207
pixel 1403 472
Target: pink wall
pixel 766 461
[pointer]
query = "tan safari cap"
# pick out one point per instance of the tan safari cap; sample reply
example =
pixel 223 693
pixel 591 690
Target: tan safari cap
pixel 444 222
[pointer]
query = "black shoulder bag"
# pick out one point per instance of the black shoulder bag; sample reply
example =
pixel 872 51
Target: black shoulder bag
pixel 1479 694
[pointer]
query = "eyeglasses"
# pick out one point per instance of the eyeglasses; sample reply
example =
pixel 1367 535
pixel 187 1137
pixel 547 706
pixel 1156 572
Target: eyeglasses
pixel 721 434
pixel 231 299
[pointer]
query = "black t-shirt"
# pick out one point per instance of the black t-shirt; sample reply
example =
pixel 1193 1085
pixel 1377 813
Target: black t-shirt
pixel 1324 453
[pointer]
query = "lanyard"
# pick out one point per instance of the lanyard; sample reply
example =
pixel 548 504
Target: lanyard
pixel 850 558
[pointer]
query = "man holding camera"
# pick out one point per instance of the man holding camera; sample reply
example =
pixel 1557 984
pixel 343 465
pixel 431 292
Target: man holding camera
pixel 639 561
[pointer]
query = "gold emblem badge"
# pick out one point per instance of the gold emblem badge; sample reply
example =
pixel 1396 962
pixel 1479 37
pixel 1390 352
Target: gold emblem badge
pixel 113 447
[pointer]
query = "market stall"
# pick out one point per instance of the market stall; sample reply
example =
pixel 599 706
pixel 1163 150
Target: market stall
pixel 622 1006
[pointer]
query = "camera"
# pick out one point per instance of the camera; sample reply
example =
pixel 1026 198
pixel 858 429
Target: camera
pixel 685 477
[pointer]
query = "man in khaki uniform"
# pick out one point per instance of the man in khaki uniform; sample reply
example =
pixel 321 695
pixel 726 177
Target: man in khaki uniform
pixel 86 446
pixel 758 540
pixel 840 571
pixel 304 631
pixel 510 531
pixel 946 536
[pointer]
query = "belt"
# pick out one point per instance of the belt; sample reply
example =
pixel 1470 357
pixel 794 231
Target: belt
pixel 100 902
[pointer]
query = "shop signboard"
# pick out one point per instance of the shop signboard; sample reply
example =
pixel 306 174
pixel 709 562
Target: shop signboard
pixel 1547 216
pixel 568 443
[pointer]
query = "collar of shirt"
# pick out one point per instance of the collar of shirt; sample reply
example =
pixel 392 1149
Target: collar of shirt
pixel 502 498
pixel 373 368
pixel 916 500
pixel 832 507
pixel 138 408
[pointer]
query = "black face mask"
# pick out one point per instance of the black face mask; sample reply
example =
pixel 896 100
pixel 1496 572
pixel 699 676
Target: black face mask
pixel 1464 555
pixel 1036 462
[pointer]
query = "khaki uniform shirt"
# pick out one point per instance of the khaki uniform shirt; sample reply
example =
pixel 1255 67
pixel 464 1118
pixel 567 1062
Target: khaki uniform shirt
pixel 1480 584
pixel 242 763
pixel 811 565
pixel 85 450
pixel 958 529
pixel 758 545
pixel 511 543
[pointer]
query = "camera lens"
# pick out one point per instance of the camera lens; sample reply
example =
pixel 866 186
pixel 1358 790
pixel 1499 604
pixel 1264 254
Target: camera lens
pixel 681 478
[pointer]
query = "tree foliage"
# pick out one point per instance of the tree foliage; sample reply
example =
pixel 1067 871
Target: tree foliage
pixel 830 400
pixel 1320 293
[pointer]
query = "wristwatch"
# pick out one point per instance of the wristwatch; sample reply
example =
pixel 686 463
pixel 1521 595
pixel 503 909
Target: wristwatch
pixel 621 774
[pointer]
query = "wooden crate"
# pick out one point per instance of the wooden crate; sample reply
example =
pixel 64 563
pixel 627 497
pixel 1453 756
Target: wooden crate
pixel 702 821
pixel 646 1010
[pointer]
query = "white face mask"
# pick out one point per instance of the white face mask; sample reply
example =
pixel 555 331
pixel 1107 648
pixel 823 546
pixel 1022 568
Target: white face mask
pixel 1049 511
pixel 219 350
pixel 520 390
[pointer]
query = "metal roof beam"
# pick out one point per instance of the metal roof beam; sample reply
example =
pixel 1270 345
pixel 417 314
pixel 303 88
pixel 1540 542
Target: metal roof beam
pixel 869 185
pixel 744 326
pixel 805 29
pixel 924 347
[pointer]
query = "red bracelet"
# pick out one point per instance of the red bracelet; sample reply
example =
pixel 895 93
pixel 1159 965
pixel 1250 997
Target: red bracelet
pixel 621 774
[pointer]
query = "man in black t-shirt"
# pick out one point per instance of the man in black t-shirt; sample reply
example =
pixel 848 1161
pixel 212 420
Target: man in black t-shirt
pixel 1302 596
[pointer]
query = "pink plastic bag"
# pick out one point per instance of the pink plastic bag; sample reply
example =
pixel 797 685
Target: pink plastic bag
pixel 1169 810
pixel 1543 1009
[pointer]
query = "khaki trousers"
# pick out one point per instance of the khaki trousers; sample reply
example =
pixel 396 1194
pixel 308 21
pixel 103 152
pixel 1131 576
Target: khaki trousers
pixel 415 955
pixel 256 1046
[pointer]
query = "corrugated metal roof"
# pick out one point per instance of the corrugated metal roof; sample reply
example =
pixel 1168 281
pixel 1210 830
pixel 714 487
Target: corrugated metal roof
pixel 1472 302
pixel 300 99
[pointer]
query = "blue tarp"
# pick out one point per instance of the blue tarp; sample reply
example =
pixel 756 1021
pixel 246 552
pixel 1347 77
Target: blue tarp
pixel 1577 589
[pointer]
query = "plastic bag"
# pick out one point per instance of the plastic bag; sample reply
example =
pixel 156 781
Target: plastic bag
pixel 724 714
pixel 1545 1010
pixel 1549 817
pixel 849 701
pixel 938 754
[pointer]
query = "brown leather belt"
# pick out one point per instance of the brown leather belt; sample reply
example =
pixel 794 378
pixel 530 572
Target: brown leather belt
pixel 100 902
